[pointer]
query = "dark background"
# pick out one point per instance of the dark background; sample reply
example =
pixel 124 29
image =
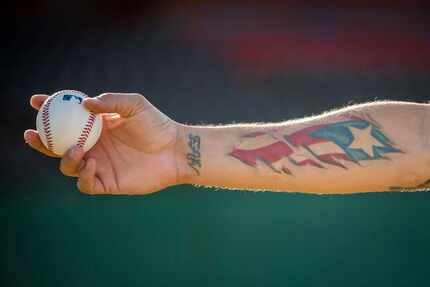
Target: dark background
pixel 217 62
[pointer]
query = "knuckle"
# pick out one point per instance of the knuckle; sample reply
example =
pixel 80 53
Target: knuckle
pixel 136 95
pixel 138 101
pixel 64 170
pixel 82 189
pixel 111 96
pixel 65 166
pixel 105 96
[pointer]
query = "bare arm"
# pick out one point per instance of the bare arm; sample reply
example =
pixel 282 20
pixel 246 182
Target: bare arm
pixel 377 146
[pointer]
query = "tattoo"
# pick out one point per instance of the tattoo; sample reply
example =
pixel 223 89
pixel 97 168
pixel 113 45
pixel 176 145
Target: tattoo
pixel 194 157
pixel 352 139
pixel 421 186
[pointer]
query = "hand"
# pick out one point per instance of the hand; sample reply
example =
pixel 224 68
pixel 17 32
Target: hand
pixel 134 155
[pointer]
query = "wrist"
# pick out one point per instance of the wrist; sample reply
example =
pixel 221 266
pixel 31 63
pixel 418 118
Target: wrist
pixel 187 154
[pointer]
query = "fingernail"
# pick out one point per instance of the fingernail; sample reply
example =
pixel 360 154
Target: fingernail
pixel 26 137
pixel 27 141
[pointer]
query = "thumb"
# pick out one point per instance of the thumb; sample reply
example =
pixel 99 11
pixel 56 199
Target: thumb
pixel 127 105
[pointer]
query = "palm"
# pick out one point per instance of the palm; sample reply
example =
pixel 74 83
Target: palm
pixel 132 157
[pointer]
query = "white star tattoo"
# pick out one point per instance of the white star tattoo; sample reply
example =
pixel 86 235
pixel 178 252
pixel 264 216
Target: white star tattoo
pixel 364 140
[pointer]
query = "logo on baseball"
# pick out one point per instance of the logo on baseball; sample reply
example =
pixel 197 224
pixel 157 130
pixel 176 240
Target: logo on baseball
pixel 63 122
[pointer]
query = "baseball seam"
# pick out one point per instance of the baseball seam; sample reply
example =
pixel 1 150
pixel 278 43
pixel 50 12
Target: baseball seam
pixel 86 130
pixel 46 125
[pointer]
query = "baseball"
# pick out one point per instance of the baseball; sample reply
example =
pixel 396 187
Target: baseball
pixel 63 122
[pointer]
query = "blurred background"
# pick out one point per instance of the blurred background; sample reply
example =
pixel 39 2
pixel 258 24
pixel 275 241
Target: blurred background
pixel 209 62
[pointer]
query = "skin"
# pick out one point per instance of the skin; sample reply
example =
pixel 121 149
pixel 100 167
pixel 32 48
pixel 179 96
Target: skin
pixel 134 155
pixel 142 151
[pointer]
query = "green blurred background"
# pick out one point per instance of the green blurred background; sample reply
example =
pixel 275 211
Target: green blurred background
pixel 213 62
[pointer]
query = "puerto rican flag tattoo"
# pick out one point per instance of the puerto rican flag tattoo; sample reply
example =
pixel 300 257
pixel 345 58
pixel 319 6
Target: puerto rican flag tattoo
pixel 352 139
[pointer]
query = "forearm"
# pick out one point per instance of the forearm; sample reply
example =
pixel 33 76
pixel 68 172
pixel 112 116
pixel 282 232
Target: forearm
pixel 362 148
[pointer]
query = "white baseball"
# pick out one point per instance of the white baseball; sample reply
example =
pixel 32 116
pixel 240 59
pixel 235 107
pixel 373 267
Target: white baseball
pixel 63 122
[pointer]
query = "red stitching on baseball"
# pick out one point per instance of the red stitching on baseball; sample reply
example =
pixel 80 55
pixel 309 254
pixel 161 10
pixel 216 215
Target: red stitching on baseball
pixel 46 125
pixel 86 130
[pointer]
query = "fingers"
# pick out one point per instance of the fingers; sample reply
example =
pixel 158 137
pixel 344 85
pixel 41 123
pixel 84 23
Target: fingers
pixel 72 161
pixel 36 101
pixel 127 105
pixel 88 182
pixel 72 164
pixel 32 138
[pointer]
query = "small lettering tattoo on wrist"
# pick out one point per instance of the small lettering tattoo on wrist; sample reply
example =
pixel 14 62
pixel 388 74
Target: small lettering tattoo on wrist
pixel 194 156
